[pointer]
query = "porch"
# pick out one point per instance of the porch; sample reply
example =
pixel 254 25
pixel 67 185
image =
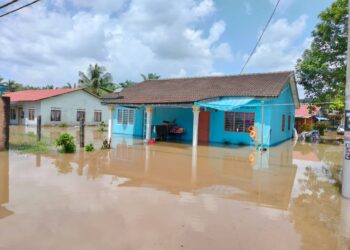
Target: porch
pixel 201 122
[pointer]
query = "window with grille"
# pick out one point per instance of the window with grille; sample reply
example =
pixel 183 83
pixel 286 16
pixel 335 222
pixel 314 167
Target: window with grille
pixel 13 114
pixel 80 115
pixel 31 114
pixel 289 121
pixel 126 116
pixel 239 121
pixel 55 115
pixel 97 116
pixel 283 122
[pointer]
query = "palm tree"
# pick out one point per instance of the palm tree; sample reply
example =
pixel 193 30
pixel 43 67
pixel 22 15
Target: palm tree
pixel 97 80
pixel 150 76
pixel 69 86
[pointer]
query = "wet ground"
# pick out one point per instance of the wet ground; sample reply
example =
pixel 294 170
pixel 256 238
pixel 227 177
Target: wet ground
pixel 169 196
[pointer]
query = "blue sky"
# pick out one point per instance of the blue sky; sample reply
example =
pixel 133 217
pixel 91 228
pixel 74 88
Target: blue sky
pixel 51 41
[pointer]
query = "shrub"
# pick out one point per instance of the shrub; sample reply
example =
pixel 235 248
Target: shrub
pixel 306 127
pixel 321 127
pixel 102 127
pixel 89 148
pixel 66 144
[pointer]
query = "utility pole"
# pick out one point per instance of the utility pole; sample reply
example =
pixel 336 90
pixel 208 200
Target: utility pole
pixel 346 167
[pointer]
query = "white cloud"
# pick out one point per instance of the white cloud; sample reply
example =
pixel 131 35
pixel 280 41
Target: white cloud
pixel 280 47
pixel 147 36
pixel 248 8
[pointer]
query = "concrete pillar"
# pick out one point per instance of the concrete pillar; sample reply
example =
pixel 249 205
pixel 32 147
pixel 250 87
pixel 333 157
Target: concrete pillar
pixel 149 113
pixel 196 111
pixel 111 109
pixel 194 165
pixel 4 122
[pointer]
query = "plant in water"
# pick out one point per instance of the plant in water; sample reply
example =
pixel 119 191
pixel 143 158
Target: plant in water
pixel 89 148
pixel 65 143
pixel 306 127
pixel 102 127
pixel 321 127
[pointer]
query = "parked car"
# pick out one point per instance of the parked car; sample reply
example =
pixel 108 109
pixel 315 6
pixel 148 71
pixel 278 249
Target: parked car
pixel 340 129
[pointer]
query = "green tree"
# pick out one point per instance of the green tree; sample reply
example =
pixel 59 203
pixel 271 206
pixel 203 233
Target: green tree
pixel 322 68
pixel 69 86
pixel 127 84
pixel 97 80
pixel 150 76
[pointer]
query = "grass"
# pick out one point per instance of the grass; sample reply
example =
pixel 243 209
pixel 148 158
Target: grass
pixel 27 143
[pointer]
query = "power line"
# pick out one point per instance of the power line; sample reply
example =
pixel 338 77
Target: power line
pixel 22 7
pixel 262 34
pixel 8 4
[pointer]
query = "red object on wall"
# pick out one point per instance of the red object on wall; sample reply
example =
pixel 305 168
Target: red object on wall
pixel 203 127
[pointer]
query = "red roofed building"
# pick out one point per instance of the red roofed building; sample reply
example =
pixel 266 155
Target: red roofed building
pixel 304 116
pixel 56 106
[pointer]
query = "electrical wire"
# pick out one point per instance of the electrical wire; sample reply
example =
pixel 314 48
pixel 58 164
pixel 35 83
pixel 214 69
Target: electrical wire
pixel 259 40
pixel 22 7
pixel 8 4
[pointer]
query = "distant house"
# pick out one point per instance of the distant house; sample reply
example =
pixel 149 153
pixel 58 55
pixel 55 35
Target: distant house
pixel 304 116
pixel 56 106
pixel 218 109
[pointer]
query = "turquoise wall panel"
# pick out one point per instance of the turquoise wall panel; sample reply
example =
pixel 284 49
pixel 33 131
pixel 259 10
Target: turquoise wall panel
pixel 127 129
pixel 182 116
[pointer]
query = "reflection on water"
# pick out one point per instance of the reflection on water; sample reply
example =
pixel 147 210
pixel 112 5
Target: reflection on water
pixel 4 184
pixel 169 196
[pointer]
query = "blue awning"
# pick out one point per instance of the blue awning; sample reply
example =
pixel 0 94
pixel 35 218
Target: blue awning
pixel 226 103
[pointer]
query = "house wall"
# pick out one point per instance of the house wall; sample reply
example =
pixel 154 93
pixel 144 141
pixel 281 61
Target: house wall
pixel 284 104
pixel 135 129
pixel 25 106
pixel 69 104
pixel 274 108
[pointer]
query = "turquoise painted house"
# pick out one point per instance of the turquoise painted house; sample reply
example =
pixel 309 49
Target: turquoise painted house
pixel 245 109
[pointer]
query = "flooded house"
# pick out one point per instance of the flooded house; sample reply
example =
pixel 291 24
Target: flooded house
pixel 56 106
pixel 305 115
pixel 240 109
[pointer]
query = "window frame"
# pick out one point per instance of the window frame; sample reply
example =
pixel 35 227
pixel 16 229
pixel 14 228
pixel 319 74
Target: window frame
pixel 126 116
pixel 99 116
pixel 59 111
pixel 31 114
pixel 289 122
pixel 283 122
pixel 235 128
pixel 13 114
pixel 79 111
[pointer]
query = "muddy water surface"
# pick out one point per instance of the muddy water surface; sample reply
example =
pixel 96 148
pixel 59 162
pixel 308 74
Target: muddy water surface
pixel 169 196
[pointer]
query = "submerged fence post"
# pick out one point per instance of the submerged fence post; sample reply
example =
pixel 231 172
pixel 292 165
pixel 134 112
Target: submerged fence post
pixel 82 132
pixel 38 128
pixel 4 122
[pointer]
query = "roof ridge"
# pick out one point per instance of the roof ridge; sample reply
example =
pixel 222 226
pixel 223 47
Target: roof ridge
pixel 222 76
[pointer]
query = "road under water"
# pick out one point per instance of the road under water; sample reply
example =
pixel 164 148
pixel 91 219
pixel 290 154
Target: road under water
pixel 171 196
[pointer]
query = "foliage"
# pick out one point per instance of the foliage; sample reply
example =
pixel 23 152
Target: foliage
pixel 321 127
pixel 97 80
pixel 102 127
pixel 127 84
pixel 27 143
pixel 66 144
pixel 322 68
pixel 150 76
pixel 106 144
pixel 89 148
pixel 306 127
pixel 69 86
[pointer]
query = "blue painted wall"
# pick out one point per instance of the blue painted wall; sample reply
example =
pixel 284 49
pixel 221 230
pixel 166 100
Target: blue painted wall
pixel 183 117
pixel 273 111
pixel 128 129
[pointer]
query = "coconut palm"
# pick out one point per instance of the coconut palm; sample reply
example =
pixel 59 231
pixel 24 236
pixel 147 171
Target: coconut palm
pixel 97 80
pixel 150 76
pixel 127 84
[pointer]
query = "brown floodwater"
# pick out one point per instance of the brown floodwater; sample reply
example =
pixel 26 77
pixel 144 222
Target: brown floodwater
pixel 169 196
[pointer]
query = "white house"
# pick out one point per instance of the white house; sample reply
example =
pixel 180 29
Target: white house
pixel 56 106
